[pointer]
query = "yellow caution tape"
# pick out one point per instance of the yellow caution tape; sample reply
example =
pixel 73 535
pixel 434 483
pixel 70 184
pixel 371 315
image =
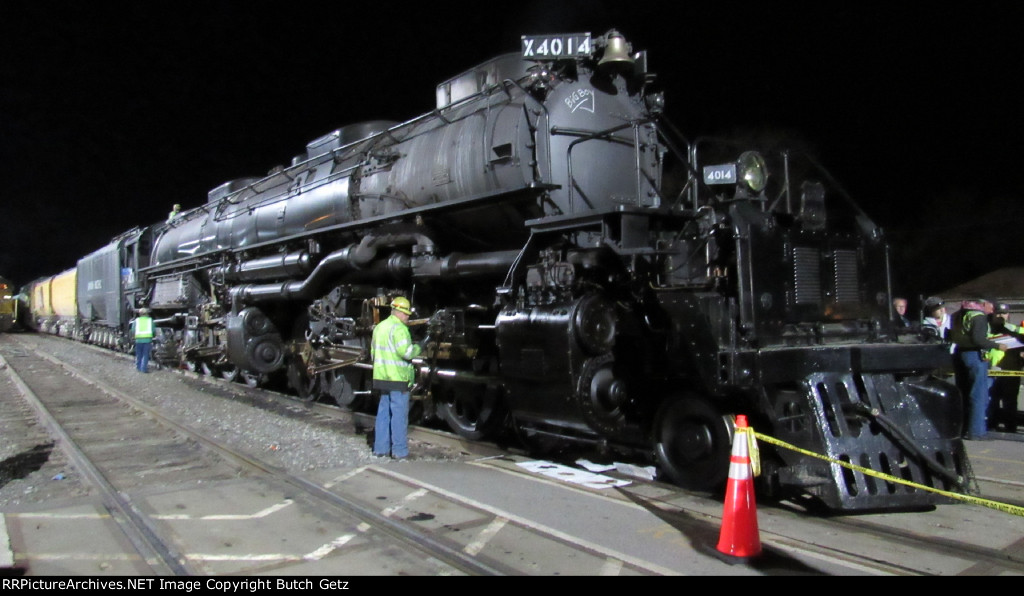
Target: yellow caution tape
pixel 1004 507
pixel 1005 373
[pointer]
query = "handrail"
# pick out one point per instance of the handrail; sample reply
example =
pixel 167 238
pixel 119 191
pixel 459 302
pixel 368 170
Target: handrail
pixel 604 135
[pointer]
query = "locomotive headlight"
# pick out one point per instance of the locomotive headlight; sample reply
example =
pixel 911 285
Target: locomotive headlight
pixel 753 170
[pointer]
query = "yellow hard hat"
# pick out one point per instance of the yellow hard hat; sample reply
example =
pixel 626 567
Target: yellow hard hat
pixel 401 304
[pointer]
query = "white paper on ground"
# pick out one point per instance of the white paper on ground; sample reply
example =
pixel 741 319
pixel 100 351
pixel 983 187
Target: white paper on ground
pixel 582 477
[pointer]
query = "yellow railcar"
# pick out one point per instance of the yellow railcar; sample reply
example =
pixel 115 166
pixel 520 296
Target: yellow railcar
pixel 53 304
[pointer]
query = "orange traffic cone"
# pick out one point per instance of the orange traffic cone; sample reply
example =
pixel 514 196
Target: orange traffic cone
pixel 739 539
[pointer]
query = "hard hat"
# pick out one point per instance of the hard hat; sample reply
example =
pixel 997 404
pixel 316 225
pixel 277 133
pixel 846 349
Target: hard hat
pixel 177 206
pixel 143 311
pixel 401 304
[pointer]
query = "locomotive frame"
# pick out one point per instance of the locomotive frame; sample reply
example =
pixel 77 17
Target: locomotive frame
pixel 587 275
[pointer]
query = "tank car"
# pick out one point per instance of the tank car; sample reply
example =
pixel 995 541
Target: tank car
pixel 8 305
pixel 587 276
pixel 52 304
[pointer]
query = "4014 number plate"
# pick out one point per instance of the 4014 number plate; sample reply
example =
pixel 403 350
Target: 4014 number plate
pixel 721 174
pixel 554 47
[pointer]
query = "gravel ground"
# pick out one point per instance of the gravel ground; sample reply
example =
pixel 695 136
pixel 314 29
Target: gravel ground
pixel 279 437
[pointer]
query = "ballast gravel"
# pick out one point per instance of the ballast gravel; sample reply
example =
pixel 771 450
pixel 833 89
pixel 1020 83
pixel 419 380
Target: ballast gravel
pixel 276 432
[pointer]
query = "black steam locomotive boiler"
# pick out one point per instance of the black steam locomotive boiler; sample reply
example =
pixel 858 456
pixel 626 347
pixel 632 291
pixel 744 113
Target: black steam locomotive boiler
pixel 587 276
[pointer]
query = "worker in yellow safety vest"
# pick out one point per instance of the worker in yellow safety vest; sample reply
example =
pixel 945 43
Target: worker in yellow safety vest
pixel 1005 388
pixel 392 350
pixel 143 326
pixel 971 335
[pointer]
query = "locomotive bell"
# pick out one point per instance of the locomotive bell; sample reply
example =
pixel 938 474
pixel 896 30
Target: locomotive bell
pixel 616 54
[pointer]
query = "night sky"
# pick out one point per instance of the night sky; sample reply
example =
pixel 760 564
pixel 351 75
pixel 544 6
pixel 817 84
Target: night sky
pixel 111 112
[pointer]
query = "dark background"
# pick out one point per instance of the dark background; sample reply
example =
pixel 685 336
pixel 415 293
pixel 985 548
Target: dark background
pixel 112 112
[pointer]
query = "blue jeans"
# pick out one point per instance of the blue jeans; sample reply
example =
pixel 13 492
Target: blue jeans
pixel 980 383
pixel 142 351
pixel 391 433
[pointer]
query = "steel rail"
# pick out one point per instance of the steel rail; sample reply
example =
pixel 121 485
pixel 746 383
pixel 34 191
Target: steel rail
pixel 156 551
pixel 457 559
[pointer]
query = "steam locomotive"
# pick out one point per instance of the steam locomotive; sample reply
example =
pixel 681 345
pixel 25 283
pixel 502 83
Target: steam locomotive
pixel 587 275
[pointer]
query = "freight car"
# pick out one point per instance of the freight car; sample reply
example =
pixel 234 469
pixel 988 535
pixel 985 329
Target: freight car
pixel 587 275
pixel 52 305
pixel 8 305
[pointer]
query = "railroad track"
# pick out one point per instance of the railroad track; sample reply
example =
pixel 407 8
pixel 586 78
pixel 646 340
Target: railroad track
pixel 122 446
pixel 436 529
pixel 879 528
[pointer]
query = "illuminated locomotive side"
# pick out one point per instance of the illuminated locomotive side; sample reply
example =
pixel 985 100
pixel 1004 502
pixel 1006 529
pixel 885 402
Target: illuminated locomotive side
pixel 586 277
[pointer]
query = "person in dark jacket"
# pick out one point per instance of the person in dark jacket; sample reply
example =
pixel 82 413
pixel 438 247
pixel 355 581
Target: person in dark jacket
pixel 899 305
pixel 936 321
pixel 1003 409
pixel 971 333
